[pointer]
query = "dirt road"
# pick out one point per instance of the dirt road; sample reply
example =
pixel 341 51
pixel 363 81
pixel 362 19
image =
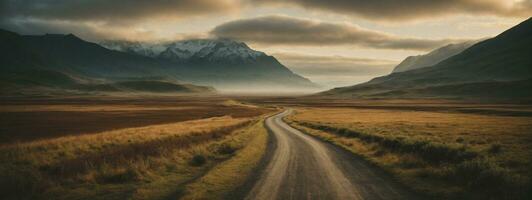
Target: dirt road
pixel 302 167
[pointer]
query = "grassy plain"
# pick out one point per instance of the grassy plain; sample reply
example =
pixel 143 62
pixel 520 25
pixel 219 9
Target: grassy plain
pixel 443 149
pixel 204 147
pixel 148 149
pixel 30 119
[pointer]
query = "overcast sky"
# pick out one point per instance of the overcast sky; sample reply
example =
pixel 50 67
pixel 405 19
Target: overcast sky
pixel 332 42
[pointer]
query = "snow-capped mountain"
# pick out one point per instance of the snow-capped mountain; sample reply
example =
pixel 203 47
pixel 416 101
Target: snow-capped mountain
pixel 145 49
pixel 223 63
pixel 211 50
pixel 218 50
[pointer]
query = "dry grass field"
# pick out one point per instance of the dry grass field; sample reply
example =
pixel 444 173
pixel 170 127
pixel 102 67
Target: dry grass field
pixel 205 148
pixel 441 152
pixel 30 119
pixel 147 149
pixel 439 105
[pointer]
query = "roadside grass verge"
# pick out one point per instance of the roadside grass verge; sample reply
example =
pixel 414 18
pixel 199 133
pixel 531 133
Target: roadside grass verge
pixel 231 174
pixel 442 169
pixel 153 162
pixel 428 151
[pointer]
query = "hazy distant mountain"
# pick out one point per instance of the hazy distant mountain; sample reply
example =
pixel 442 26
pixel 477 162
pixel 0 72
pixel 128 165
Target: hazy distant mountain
pixel 215 51
pixel 212 50
pixel 66 62
pixel 500 67
pixel 433 57
pixel 222 63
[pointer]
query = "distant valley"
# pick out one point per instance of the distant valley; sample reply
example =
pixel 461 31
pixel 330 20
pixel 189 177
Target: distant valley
pixel 500 67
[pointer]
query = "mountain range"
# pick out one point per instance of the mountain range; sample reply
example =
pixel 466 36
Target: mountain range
pixel 225 64
pixel 433 57
pixel 189 51
pixel 500 67
pixel 56 63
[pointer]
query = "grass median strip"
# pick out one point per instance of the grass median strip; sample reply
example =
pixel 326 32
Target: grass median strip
pixel 230 174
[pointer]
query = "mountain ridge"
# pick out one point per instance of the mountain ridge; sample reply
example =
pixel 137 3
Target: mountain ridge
pixel 207 61
pixel 69 56
pixel 184 50
pixel 433 57
pixel 504 58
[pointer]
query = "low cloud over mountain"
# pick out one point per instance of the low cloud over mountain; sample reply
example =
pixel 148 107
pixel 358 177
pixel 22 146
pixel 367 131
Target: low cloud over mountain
pixel 284 30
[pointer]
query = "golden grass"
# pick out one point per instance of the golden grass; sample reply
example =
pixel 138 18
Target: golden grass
pixel 93 108
pixel 477 132
pixel 26 120
pixel 501 145
pixel 238 103
pixel 232 173
pixel 140 163
pixel 46 151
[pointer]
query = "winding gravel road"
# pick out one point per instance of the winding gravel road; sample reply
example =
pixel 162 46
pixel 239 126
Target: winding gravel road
pixel 302 167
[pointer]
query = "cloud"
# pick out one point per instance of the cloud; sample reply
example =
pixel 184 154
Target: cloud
pixel 104 19
pixel 100 18
pixel 284 30
pixel 313 60
pixel 335 71
pixel 394 10
pixel 85 30
pixel 113 12
pixel 334 65
pixel 93 31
